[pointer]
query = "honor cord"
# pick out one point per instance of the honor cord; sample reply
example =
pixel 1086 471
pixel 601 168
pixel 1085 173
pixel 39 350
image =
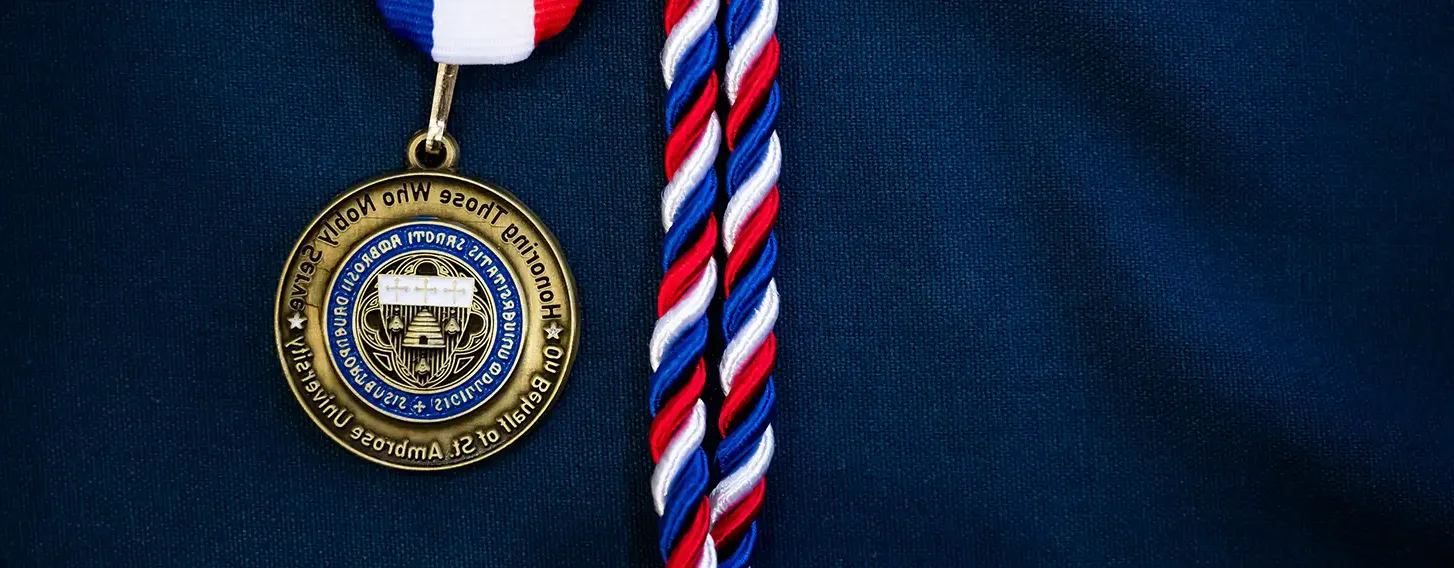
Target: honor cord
pixel 750 311
pixel 679 418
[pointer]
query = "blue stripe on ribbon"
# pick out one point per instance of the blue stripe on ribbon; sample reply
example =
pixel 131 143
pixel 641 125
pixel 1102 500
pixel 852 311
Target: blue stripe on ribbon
pixel 413 20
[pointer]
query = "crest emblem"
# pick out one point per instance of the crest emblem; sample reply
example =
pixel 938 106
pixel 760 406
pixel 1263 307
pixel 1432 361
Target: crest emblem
pixel 423 325
pixel 425 321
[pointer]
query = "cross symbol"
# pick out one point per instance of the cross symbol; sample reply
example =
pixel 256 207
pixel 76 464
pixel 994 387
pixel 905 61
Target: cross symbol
pixel 395 288
pixel 419 406
pixel 455 290
pixel 427 289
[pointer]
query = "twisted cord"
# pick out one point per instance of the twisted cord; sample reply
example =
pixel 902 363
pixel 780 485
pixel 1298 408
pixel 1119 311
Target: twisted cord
pixel 750 310
pixel 679 419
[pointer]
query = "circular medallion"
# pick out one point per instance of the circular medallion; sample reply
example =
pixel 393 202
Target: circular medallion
pixel 426 320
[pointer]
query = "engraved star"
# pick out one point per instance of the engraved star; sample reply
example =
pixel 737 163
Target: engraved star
pixel 296 322
pixel 553 332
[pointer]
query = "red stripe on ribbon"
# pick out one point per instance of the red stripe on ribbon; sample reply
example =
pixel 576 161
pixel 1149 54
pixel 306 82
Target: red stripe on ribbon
pixel 551 16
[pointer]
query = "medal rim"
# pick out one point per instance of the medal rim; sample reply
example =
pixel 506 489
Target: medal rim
pixel 573 333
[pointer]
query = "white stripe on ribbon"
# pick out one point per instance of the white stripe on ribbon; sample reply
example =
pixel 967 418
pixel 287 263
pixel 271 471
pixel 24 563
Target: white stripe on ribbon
pixel 472 32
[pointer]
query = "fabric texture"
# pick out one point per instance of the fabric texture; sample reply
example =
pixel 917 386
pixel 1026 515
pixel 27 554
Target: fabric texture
pixel 1091 283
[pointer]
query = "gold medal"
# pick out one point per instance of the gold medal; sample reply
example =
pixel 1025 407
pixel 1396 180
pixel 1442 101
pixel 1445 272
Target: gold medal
pixel 426 320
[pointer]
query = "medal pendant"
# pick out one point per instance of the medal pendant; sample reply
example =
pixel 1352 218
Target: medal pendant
pixel 426 320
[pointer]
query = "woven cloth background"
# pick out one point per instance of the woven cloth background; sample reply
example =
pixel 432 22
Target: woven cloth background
pixel 1090 283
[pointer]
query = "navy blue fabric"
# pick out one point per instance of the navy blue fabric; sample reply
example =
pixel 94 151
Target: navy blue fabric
pixel 1091 283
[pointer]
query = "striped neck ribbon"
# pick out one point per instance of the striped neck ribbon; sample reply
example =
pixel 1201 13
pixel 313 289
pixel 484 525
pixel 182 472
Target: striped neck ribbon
pixel 477 32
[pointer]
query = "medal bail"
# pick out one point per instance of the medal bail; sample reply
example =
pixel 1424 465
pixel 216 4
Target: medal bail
pixel 439 111
pixel 418 156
